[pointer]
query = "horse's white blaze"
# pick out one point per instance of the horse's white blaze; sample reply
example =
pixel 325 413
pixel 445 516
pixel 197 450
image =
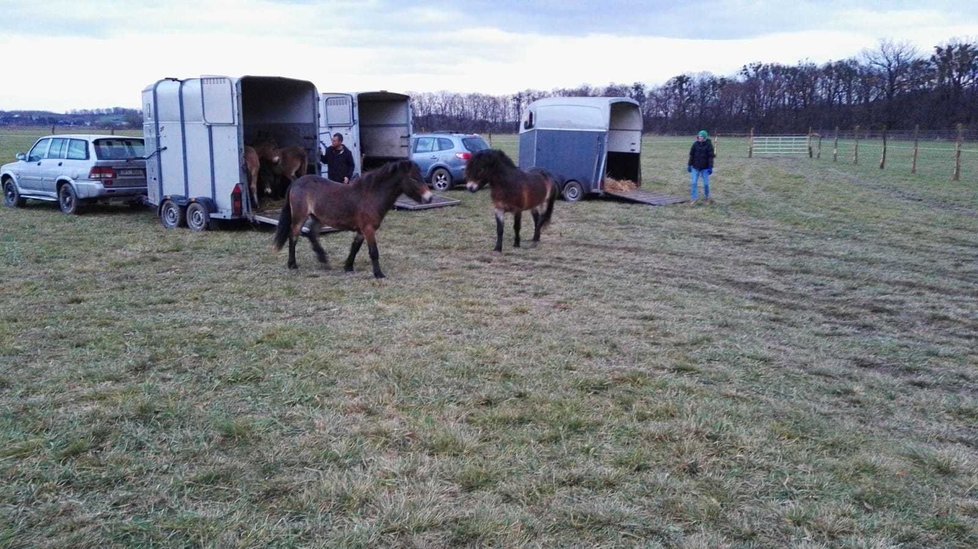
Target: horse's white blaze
pixel 426 196
pixel 472 185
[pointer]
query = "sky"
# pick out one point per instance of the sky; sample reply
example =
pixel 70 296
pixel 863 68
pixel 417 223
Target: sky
pixel 63 55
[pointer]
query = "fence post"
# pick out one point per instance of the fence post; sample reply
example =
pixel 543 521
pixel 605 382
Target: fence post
pixel 810 155
pixel 716 142
pixel 855 147
pixel 818 154
pixel 883 156
pixel 916 132
pixel 750 143
pixel 835 147
pixel 957 154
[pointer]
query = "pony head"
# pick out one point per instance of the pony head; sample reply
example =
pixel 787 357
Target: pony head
pixel 412 182
pixel 484 166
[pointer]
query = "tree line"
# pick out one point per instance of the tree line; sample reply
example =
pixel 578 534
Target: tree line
pixel 893 86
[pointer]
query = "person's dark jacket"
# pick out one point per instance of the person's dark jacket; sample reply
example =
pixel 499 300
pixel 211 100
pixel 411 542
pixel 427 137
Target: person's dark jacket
pixel 339 163
pixel 701 155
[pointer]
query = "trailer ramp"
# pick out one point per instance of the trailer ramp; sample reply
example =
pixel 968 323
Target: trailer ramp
pixel 270 217
pixel 437 201
pixel 646 197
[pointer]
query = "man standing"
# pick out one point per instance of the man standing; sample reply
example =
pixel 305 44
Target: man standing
pixel 338 160
pixel 700 164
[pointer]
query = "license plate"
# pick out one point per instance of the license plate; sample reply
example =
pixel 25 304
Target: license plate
pixel 130 173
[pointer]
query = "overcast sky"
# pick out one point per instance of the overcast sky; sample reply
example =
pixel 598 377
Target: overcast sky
pixel 62 55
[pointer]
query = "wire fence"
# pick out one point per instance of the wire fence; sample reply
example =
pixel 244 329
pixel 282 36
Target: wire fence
pixel 951 154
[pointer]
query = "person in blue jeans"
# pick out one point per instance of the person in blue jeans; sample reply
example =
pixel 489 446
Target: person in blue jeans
pixel 700 164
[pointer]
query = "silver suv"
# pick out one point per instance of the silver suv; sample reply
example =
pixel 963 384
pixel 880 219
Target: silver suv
pixel 72 169
pixel 442 156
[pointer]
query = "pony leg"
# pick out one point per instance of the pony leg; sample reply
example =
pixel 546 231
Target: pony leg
pixel 292 264
pixel 517 219
pixel 499 230
pixel 354 250
pixel 536 225
pixel 371 237
pixel 313 235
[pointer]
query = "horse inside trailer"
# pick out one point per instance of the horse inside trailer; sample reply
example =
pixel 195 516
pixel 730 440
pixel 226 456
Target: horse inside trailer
pixel 197 131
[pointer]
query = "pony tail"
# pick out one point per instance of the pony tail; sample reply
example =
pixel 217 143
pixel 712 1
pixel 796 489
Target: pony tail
pixel 545 218
pixel 284 225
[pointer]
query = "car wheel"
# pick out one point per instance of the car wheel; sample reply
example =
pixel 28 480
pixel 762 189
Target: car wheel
pixel 171 215
pixel 573 191
pixel 441 180
pixel 198 218
pixel 11 196
pixel 67 199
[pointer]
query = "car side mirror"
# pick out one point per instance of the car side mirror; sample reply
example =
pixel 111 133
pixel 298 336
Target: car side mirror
pixel 21 156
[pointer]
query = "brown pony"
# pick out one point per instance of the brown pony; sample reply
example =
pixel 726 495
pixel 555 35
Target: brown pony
pixel 512 190
pixel 283 162
pixel 252 164
pixel 359 206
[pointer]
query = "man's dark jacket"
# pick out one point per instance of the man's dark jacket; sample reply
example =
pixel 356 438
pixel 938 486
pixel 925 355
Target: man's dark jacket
pixel 339 163
pixel 701 155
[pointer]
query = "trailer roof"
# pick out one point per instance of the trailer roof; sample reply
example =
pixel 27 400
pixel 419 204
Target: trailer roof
pixel 583 113
pixel 586 101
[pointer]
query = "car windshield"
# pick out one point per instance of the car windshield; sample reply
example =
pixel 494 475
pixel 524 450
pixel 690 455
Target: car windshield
pixel 119 148
pixel 475 144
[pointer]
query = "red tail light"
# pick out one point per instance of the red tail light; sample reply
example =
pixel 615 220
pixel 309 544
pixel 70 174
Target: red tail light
pixel 464 156
pixel 236 206
pixel 105 174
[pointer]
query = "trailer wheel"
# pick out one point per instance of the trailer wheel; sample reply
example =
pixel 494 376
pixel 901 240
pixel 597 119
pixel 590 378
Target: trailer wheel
pixel 11 197
pixel 198 218
pixel 171 215
pixel 573 191
pixel 441 180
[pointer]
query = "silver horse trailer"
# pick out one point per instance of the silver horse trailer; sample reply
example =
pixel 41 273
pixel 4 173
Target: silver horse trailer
pixel 195 132
pixel 584 140
pixel 376 126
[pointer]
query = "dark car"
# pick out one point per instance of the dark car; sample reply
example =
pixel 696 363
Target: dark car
pixel 442 156
pixel 73 169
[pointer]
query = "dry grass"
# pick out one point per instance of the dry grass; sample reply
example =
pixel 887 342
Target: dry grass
pixel 619 185
pixel 794 366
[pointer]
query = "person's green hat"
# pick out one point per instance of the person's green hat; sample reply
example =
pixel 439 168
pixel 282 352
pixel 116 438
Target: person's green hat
pixel 703 134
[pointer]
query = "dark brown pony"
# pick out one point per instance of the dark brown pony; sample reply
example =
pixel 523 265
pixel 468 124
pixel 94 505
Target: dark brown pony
pixel 359 206
pixel 512 190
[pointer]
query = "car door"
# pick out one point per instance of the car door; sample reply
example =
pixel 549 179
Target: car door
pixel 425 153
pixel 52 167
pixel 30 174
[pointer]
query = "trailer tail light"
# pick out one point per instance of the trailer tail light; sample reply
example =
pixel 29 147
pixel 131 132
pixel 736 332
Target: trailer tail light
pixel 464 157
pixel 105 174
pixel 236 207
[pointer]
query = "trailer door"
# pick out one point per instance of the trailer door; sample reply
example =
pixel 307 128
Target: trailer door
pixel 337 115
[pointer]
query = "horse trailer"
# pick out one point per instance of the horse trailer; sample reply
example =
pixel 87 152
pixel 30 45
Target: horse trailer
pixel 376 126
pixel 196 130
pixel 584 141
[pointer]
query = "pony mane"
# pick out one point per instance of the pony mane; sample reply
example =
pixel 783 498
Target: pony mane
pixel 385 171
pixel 494 157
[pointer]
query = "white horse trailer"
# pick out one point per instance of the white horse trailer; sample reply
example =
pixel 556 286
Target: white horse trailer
pixel 376 126
pixel 196 130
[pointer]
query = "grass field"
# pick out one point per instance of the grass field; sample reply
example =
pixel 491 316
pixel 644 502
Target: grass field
pixel 795 365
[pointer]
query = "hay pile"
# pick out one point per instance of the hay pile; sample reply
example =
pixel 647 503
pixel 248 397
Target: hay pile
pixel 619 185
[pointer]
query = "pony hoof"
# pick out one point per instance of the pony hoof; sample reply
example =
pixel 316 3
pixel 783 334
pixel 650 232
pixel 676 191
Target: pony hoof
pixel 379 275
pixel 293 266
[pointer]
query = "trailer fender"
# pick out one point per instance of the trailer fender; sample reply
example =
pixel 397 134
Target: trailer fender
pixel 206 201
pixel 177 199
